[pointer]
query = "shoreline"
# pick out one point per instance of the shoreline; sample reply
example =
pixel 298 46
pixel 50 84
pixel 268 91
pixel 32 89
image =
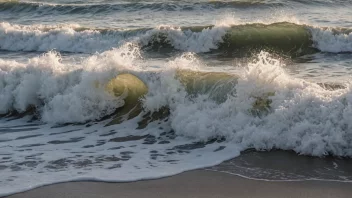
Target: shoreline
pixel 197 183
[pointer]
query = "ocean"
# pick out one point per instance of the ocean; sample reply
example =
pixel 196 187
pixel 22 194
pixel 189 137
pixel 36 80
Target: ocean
pixel 126 90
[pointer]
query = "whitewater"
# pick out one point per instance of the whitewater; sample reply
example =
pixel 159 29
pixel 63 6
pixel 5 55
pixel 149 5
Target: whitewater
pixel 114 91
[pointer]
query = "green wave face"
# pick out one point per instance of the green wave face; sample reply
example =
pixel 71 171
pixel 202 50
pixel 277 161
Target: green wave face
pixel 127 86
pixel 240 40
pixel 215 84
pixel 131 89
pixel 282 38
pixel 279 37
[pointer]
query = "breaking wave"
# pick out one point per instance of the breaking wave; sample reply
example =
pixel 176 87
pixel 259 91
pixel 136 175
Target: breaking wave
pixel 251 106
pixel 280 37
pixel 142 103
pixel 143 119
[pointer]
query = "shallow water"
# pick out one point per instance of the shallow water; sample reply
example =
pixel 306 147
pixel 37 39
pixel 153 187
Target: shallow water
pixel 222 77
pixel 286 166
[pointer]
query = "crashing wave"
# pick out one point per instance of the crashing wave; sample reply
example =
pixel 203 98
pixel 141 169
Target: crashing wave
pixel 278 37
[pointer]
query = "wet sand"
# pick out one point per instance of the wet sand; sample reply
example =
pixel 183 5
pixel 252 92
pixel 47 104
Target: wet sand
pixel 194 184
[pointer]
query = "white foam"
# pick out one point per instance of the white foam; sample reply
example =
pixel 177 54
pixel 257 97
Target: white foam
pixel 63 92
pixel 328 41
pixel 208 38
pixel 61 38
pixel 67 38
pixel 303 117
pixel 97 163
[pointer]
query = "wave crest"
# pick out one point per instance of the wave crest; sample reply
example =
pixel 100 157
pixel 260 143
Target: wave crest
pixel 63 92
pixel 281 37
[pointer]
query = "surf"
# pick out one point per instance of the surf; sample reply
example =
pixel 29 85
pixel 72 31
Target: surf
pixel 239 40
pixel 110 114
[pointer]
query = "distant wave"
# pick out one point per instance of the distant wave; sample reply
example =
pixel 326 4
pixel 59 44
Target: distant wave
pixel 281 37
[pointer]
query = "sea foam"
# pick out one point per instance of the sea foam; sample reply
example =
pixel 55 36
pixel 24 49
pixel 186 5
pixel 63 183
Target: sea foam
pixel 76 39
pixel 198 132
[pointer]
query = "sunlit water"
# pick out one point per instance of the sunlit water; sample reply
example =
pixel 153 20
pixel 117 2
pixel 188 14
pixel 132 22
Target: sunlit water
pixel 222 77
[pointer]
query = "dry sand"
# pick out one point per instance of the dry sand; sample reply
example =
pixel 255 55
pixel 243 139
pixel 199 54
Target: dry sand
pixel 194 184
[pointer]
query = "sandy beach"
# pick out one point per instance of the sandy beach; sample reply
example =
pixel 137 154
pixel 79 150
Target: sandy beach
pixel 199 183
